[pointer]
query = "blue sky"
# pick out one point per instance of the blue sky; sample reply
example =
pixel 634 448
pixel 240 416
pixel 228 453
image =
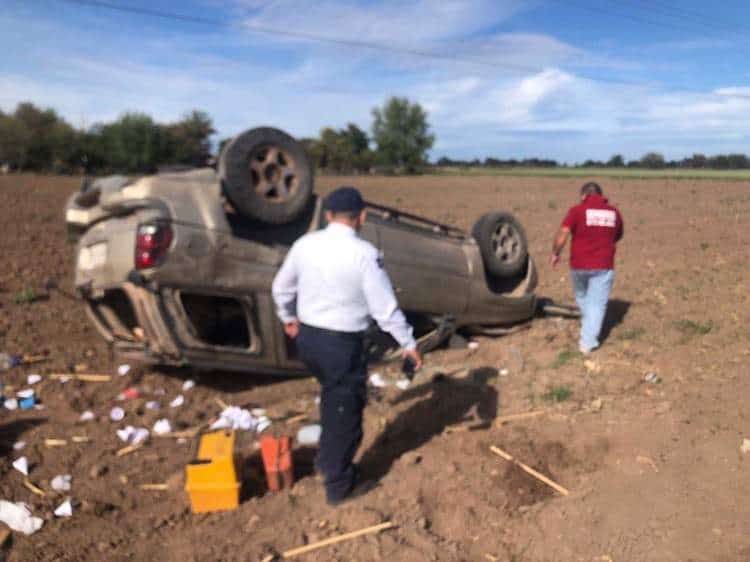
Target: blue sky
pixel 564 79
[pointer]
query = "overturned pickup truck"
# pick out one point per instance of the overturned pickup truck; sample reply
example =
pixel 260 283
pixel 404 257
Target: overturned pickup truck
pixel 176 268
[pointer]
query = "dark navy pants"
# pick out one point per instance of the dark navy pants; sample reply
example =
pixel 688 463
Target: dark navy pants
pixel 338 361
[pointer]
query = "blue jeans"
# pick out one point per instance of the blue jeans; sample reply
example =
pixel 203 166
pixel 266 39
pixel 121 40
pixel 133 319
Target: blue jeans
pixel 592 288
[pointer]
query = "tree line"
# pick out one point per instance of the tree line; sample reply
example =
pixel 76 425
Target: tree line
pixel 650 160
pixel 35 139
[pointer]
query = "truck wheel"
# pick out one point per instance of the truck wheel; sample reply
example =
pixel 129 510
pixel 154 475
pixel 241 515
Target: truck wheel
pixel 502 243
pixel 266 175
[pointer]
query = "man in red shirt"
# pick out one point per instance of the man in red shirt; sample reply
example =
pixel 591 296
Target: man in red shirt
pixel 596 227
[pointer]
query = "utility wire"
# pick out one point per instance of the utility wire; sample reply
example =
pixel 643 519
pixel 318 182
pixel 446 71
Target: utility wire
pixel 252 28
pixel 691 18
pixel 608 12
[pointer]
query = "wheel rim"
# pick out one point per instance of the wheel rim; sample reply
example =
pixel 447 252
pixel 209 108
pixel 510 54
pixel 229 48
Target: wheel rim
pixel 506 243
pixel 273 174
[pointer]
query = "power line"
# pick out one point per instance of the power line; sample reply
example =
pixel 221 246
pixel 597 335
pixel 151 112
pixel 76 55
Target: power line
pixel 692 18
pixel 267 30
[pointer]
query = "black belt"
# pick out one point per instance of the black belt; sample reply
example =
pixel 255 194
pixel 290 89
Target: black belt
pixel 338 333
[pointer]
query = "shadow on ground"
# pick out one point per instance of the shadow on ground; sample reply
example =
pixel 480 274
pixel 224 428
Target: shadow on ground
pixel 10 432
pixel 616 311
pixel 439 404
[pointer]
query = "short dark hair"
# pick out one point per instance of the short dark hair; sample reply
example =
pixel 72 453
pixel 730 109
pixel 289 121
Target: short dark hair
pixel 351 215
pixel 591 187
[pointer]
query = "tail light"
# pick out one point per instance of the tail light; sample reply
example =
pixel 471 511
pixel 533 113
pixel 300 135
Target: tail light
pixel 151 244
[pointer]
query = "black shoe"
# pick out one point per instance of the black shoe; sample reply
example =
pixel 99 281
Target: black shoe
pixel 358 490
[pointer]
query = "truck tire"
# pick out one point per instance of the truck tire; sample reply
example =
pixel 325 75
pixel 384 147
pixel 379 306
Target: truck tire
pixel 502 243
pixel 266 175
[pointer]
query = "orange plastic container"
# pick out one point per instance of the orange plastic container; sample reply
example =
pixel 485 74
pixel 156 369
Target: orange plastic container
pixel 277 461
pixel 211 478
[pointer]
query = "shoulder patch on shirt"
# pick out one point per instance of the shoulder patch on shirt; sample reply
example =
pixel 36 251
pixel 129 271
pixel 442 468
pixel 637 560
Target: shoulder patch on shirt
pixel 601 217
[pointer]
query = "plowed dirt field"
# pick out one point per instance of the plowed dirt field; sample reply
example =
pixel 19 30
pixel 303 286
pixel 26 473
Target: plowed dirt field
pixel 655 471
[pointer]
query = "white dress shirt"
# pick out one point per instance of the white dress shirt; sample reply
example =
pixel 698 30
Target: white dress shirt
pixel 333 279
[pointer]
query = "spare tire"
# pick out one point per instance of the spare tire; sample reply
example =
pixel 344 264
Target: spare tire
pixel 502 243
pixel 266 175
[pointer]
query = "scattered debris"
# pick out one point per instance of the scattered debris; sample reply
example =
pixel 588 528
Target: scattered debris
pixel 162 427
pixel 592 366
pixel 526 468
pixel 55 442
pixel 154 487
pixel 61 483
pixel 11 404
pixel 133 435
pixel 18 445
pixel 33 488
pixel 745 446
pixel 33 378
pixel 596 405
pixel 26 398
pixel 337 539
pixel 123 369
pixel 81 377
pixel 646 460
pixel 18 517
pixel 652 378
pixel 177 402
pixel 81 439
pixel 65 509
pixel 116 414
pixel 377 380
pixel 130 393
pixel 187 385
pixel 8 361
pixel 403 384
pixel 127 450
pixel 233 417
pixel 21 464
pixel 309 434
pixel 521 416
pixel 504 372
pixel 88 415
pixel 64 379
pixel 152 405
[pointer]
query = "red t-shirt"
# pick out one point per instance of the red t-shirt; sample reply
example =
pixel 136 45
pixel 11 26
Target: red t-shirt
pixel 596 226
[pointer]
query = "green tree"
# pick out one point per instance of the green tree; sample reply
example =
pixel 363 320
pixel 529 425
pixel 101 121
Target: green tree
pixel 653 160
pixel 133 143
pixel 617 161
pixel 188 140
pixel 36 139
pixel 401 133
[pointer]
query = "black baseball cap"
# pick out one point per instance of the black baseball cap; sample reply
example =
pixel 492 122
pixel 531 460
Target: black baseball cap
pixel 345 199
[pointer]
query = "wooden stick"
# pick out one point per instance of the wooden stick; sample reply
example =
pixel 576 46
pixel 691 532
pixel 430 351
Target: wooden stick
pixel 129 449
pixel 529 470
pixel 81 439
pixel 82 377
pixel 521 416
pixel 154 487
pixel 337 539
pixel 32 359
pixel 55 442
pixel 221 403
pixel 295 419
pixel 38 491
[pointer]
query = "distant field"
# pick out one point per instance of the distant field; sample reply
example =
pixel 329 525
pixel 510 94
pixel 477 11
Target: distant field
pixel 626 173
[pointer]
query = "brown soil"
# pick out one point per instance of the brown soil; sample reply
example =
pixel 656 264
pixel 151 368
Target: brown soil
pixel 655 471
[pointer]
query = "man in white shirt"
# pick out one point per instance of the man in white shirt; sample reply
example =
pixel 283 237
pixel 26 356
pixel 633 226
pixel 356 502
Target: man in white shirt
pixel 330 285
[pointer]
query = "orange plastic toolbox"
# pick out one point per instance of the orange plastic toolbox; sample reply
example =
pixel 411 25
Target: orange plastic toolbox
pixel 211 478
